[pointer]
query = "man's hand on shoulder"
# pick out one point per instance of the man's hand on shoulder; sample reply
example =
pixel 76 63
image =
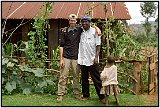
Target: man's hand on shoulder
pixel 98 31
pixel 64 29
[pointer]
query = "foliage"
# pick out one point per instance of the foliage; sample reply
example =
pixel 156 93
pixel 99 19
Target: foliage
pixel 7 49
pixel 148 9
pixel 121 43
pixel 123 80
pixel 36 45
pixel 55 63
pixel 156 26
pixel 19 77
pixel 117 41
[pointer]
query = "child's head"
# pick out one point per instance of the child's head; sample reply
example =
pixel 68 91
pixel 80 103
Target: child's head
pixel 110 59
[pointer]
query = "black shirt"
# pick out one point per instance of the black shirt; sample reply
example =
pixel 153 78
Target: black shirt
pixel 70 42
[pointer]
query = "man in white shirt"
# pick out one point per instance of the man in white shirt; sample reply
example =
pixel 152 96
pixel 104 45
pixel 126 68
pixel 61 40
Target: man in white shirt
pixel 89 48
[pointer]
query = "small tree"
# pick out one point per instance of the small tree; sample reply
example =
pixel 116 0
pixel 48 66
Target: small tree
pixel 148 10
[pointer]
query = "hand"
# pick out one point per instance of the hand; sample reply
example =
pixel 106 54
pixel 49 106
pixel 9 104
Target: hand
pixel 61 63
pixel 98 31
pixel 64 29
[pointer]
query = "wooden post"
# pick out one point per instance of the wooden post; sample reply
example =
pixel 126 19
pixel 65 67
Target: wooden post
pixel 153 73
pixel 137 67
pixel 156 72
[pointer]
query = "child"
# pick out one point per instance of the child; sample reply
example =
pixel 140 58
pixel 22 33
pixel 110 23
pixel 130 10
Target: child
pixel 109 79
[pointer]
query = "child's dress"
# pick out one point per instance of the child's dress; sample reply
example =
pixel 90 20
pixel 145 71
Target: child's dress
pixel 109 80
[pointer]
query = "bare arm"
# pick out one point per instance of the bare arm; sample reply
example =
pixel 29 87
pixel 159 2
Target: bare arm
pixel 61 57
pixel 97 54
pixel 61 53
pixel 98 31
pixel 62 43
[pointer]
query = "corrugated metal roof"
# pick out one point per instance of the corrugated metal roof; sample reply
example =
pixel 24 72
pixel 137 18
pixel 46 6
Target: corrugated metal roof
pixel 28 10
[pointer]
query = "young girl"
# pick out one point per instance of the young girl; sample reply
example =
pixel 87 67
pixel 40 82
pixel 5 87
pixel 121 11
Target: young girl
pixel 109 80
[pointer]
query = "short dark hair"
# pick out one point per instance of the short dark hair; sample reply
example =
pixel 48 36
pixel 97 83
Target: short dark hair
pixel 110 59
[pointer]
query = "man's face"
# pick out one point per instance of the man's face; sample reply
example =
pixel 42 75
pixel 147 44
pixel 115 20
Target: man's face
pixel 85 24
pixel 72 22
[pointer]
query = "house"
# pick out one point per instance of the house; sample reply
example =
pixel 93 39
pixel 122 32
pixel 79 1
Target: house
pixel 13 13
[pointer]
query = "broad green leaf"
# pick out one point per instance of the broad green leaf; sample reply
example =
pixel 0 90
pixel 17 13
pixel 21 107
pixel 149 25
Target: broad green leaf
pixel 5 61
pixel 42 84
pixel 13 84
pixel 25 68
pixel 9 87
pixel 25 85
pixel 10 64
pixel 27 91
pixel 31 33
pixel 49 82
pixel 17 79
pixel 4 69
pixel 39 72
pixel 15 60
pixel 39 90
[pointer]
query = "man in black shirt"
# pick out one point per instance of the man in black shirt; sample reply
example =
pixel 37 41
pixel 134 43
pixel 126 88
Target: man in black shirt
pixel 68 57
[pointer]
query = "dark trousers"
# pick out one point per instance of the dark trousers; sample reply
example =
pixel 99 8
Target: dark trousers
pixel 95 75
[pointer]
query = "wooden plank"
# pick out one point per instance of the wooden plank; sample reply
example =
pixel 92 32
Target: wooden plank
pixel 151 88
pixel 137 66
pixel 152 54
pixel 152 66
pixel 151 92
pixel 151 77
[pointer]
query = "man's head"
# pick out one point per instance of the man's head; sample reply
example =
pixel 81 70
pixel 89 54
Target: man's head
pixel 86 22
pixel 72 20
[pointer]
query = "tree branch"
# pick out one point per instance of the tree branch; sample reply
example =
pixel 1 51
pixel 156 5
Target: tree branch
pixel 12 32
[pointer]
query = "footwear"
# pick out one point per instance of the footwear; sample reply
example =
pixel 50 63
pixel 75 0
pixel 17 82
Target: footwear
pixel 117 102
pixel 77 97
pixel 85 98
pixel 103 101
pixel 59 98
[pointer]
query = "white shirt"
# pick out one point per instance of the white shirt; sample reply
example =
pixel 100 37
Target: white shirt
pixel 109 76
pixel 87 47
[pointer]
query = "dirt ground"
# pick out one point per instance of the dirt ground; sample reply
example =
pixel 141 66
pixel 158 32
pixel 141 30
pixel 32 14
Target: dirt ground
pixel 152 99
